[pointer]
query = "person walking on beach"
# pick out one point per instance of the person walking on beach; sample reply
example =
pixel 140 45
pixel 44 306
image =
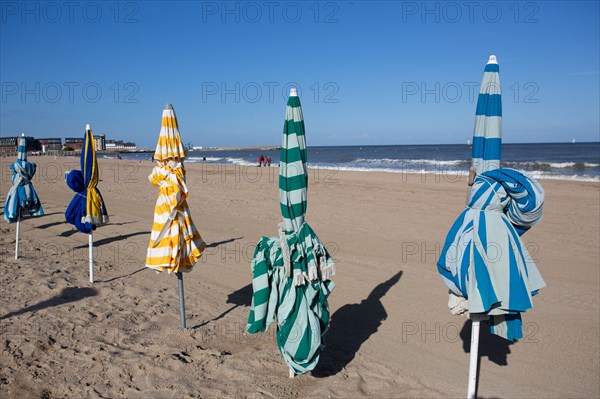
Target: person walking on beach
pixel 267 161
pixel 260 161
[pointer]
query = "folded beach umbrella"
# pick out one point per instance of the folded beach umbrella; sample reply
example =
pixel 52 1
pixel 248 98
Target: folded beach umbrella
pixel 175 243
pixel 484 263
pixel 291 272
pixel 22 196
pixel 86 210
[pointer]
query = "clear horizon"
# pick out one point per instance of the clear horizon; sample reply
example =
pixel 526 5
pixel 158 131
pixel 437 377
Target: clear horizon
pixel 369 73
pixel 322 145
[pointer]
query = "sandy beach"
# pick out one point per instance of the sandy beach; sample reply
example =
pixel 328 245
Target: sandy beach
pixel 391 334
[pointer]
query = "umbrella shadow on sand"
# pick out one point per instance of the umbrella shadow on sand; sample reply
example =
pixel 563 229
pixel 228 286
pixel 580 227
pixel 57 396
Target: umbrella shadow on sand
pixel 68 233
pixel 217 243
pixel 108 240
pixel 120 277
pixel 495 348
pixel 45 226
pixel 69 294
pixel 351 326
pixel 49 214
pixel 241 297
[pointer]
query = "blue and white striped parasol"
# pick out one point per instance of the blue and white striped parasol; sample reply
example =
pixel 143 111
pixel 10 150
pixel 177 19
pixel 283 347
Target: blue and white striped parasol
pixel 22 196
pixel 484 263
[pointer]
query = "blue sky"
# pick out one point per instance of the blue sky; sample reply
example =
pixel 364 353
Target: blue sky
pixel 369 72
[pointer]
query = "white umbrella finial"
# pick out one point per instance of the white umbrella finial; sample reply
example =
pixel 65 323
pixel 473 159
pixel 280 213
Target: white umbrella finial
pixel 88 127
pixel 293 92
pixel 492 60
pixel 168 106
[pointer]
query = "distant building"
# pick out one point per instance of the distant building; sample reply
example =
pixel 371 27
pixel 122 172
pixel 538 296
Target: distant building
pixel 111 145
pixel 8 144
pixel 129 146
pixel 100 140
pixel 120 145
pixel 51 144
pixel 74 143
pixel 11 144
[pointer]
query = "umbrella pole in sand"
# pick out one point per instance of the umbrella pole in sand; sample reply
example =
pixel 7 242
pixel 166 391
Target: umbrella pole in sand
pixel 181 301
pixel 474 357
pixel 91 247
pixel 475 325
pixel 17 234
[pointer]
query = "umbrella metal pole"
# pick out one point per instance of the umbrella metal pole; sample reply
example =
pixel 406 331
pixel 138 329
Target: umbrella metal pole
pixel 474 356
pixel 181 301
pixel 17 234
pixel 91 247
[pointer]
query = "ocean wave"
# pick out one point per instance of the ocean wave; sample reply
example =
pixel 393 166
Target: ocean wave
pixel 453 168
pixel 240 161
pixel 540 175
pixel 573 171
pixel 529 165
pixel 411 171
pixel 387 162
pixel 537 174
pixel 576 165
pixel 201 159
pixel 546 166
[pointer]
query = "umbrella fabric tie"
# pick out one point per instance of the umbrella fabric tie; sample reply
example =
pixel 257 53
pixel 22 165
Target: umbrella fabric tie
pixel 309 256
pixel 305 258
pixel 23 173
pixel 458 305
pixel 165 228
pixel 285 251
pixel 96 212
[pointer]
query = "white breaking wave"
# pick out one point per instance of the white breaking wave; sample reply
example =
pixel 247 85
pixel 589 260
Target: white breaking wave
pixel 240 161
pixel 411 171
pixel 553 165
pixel 538 170
pixel 541 175
pixel 559 165
pixel 435 162
pixel 200 159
